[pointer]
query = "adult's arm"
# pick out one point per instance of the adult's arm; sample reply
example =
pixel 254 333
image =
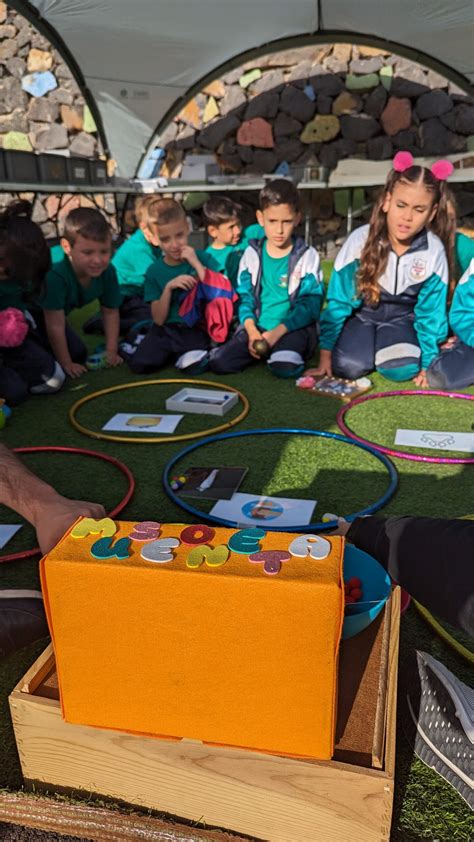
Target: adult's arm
pixel 50 513
pixel 432 558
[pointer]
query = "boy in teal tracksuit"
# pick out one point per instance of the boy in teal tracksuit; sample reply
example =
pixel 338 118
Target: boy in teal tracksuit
pixel 454 367
pixel 280 289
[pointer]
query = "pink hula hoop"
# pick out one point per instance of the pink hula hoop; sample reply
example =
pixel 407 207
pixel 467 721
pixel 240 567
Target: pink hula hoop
pixel 401 454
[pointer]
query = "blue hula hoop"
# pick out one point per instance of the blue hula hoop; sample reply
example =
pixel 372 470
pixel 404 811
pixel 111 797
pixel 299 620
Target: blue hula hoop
pixel 304 527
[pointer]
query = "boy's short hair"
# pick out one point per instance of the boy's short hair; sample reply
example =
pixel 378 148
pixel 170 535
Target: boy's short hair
pixel 279 191
pixel 147 210
pixel 166 211
pixel 220 209
pixel 88 223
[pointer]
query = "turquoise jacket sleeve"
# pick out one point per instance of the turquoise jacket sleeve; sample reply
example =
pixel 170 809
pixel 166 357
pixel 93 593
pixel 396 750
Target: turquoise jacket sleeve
pixel 246 297
pixel 464 252
pixel 431 320
pixel 341 303
pixel 307 306
pixel 461 314
pixel 248 269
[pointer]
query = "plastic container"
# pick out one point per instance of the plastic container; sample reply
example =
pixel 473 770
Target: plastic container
pixel 376 587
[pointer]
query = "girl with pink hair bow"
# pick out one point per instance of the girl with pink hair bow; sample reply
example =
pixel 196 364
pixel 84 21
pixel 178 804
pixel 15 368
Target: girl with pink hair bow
pixel 387 297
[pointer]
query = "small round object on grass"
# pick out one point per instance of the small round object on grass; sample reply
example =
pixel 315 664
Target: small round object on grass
pixel 261 347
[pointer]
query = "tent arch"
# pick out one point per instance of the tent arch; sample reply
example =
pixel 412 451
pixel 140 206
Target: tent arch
pixel 138 62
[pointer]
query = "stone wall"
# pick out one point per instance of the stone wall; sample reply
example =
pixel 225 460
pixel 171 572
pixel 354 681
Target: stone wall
pixel 42 110
pixel 318 105
pixel 315 106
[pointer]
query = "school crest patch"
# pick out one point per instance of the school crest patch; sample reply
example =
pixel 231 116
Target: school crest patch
pixel 418 269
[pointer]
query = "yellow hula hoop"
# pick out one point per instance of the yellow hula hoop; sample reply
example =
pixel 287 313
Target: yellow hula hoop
pixel 156 439
pixel 444 635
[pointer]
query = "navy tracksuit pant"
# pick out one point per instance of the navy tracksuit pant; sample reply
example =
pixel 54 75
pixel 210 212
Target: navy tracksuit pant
pixel 286 359
pixel 379 338
pixel 164 344
pixel 453 368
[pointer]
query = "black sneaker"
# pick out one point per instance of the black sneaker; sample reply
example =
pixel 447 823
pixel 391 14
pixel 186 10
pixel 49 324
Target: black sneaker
pixel 442 711
pixel 22 619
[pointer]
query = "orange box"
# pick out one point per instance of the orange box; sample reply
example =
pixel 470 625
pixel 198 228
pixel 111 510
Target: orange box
pixel 205 646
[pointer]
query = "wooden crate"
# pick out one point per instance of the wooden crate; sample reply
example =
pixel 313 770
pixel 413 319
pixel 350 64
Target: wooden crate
pixel 268 797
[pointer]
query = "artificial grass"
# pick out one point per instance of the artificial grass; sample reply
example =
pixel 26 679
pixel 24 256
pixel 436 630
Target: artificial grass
pixel 340 477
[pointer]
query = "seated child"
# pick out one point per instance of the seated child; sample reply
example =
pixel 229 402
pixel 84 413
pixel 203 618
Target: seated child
pixel 81 272
pixel 177 270
pixel 280 289
pixel 131 260
pixel 25 366
pixel 388 290
pixel 228 241
pixel 221 215
pixel 454 367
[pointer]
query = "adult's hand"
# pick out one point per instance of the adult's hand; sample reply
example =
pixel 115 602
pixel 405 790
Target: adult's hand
pixel 52 517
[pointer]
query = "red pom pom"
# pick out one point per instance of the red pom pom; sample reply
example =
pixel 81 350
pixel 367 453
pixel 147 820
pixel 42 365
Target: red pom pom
pixel 402 161
pixel 442 169
pixel 13 328
pixel 356 594
pixel 349 600
pixel 354 582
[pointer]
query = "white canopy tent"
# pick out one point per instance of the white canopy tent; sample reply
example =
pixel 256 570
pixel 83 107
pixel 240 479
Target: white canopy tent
pixel 139 60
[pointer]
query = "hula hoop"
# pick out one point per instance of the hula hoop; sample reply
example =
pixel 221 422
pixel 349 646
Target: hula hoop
pixel 305 527
pixel 156 439
pixel 401 454
pixel 443 634
pixel 113 461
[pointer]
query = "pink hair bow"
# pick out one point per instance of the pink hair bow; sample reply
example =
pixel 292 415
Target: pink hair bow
pixel 402 161
pixel 441 169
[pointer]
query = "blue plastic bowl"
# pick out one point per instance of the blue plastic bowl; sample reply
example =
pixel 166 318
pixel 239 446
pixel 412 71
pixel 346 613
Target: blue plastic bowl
pixel 375 586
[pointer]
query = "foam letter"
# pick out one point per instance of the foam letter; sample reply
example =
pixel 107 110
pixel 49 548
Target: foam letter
pixel 199 534
pixel 271 560
pixel 147 530
pixel 160 551
pixel 312 545
pixel 213 556
pixel 104 548
pixel 90 526
pixel 246 541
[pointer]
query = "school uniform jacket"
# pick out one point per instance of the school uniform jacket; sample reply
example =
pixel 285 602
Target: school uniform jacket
pixel 461 314
pixel 418 279
pixel 305 284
